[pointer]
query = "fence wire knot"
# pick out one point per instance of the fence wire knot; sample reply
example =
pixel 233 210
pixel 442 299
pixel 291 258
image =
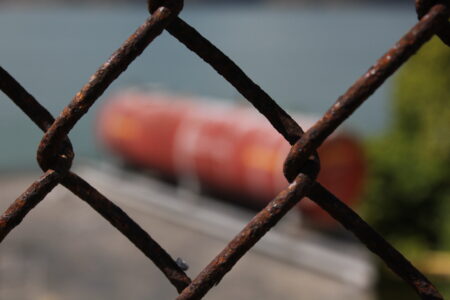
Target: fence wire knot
pixel 60 162
pixel 293 166
pixel 175 5
pixel 424 6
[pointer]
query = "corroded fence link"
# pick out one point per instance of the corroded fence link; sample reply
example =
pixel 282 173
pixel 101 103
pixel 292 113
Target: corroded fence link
pixel 373 241
pixel 27 201
pixel 366 86
pixel 252 232
pixel 194 41
pixel 101 80
pixel 138 236
pixel 424 6
pixel 345 105
pixel 55 153
pixel 35 111
pixel 39 189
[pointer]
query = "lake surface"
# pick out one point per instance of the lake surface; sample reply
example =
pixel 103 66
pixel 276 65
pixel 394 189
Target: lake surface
pixel 304 58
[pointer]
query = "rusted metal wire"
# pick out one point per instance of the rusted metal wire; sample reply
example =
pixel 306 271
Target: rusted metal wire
pixel 112 213
pixel 58 130
pixel 252 232
pixel 55 152
pixel 194 41
pixel 424 6
pixel 373 241
pixel 100 81
pixel 365 86
pixel 119 219
pixel 27 201
pixel 35 111
pixel 345 105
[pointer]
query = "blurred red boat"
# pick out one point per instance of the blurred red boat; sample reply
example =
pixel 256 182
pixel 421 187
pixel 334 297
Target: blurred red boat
pixel 227 148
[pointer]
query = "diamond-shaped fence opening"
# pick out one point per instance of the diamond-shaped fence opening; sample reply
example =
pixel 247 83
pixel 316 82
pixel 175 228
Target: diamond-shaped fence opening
pixel 301 167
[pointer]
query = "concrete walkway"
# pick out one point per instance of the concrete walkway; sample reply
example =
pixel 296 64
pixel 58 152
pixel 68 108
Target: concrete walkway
pixel 65 250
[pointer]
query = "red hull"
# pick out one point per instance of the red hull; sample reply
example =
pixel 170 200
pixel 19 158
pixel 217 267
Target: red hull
pixel 225 147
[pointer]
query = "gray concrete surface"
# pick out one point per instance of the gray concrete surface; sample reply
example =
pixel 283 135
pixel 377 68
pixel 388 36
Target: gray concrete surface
pixel 65 250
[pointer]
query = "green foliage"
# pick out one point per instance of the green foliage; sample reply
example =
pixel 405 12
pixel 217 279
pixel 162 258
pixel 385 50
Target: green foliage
pixel 408 197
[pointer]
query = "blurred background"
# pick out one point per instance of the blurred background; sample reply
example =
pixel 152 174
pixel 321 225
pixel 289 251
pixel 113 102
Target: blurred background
pixel 302 53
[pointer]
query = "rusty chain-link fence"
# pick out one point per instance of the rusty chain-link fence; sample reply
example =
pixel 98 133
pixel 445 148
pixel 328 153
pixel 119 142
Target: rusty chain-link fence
pixel 55 153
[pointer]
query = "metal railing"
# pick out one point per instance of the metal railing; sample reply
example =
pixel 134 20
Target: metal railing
pixel 55 153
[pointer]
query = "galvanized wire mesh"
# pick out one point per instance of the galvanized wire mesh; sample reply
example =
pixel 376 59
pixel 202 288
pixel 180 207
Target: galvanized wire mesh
pixel 55 154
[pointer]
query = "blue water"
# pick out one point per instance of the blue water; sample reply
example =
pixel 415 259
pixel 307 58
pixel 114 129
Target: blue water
pixel 304 58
